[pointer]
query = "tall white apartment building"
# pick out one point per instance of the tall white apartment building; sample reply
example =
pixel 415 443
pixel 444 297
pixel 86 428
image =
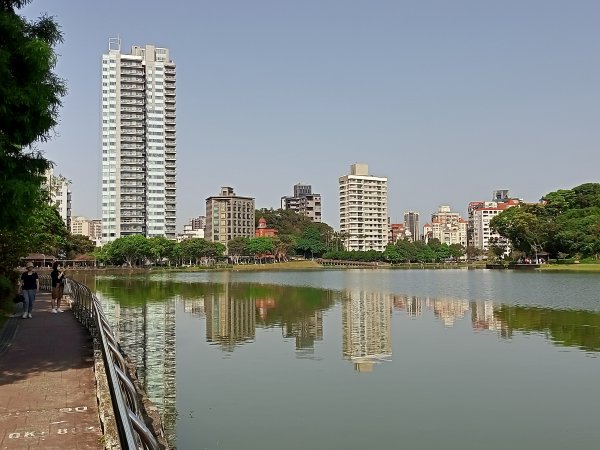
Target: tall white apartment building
pixel 59 191
pixel 482 232
pixel 480 215
pixel 364 209
pixel 138 142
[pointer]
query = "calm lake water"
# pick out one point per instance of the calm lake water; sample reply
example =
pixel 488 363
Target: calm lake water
pixel 365 359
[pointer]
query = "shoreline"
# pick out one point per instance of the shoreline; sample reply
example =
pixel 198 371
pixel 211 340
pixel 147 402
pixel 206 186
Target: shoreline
pixel 313 265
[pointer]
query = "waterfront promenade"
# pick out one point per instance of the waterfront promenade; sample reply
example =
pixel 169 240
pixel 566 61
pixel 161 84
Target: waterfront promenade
pixel 47 383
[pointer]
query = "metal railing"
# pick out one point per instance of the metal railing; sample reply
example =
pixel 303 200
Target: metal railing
pixel 133 432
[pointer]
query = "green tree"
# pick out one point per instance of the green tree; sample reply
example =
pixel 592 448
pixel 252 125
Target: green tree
pixel 523 226
pixel 78 245
pixel 30 94
pixel 473 252
pixel 103 254
pixel 236 248
pixel 284 246
pixel 192 250
pixel 259 247
pixel 45 233
pixel 160 248
pixel 391 254
pixel 213 251
pixel 457 251
pixel 285 221
pixel 132 249
pixel 311 242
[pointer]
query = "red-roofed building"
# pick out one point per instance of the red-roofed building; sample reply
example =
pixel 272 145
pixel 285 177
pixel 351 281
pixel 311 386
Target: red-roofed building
pixel 263 231
pixel 427 232
pixel 397 231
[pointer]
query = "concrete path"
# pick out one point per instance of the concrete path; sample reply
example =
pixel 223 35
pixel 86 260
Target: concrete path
pixel 47 384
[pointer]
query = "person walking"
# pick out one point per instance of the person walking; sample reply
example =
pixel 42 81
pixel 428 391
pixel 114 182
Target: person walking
pixel 30 284
pixel 58 284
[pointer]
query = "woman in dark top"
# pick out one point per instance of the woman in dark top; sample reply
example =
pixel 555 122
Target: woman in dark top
pixel 30 284
pixel 58 282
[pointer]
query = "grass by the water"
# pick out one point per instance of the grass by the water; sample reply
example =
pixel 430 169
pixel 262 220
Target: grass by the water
pixel 288 265
pixel 570 268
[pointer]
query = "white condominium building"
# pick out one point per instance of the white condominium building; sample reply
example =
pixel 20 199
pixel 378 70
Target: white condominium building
pixel 480 215
pixel 363 209
pixel 138 142
pixel 482 232
pixel 59 191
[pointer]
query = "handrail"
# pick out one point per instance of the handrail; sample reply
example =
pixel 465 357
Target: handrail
pixel 133 433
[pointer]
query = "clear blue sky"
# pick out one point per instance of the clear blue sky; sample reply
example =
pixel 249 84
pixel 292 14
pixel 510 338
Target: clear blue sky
pixel 448 99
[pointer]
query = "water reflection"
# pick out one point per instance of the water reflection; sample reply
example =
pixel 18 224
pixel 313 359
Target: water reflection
pixel 230 321
pixel 146 332
pixel 142 312
pixel 366 328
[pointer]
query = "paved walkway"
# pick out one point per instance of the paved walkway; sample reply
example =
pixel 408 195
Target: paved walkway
pixel 47 384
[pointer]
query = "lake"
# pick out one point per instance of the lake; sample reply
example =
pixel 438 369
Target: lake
pixel 357 359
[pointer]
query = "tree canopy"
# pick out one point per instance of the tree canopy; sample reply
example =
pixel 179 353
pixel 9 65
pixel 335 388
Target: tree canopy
pixel 30 96
pixel 567 221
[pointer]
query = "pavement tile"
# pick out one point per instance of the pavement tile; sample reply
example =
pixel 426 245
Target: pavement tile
pixel 47 384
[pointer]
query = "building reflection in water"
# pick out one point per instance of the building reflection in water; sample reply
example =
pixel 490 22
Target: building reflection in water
pixel 484 318
pixel 306 331
pixel 413 306
pixel 366 328
pixel 229 321
pixel 146 333
pixel 448 310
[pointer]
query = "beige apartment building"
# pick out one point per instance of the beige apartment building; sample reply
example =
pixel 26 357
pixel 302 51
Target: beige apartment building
pixel 91 228
pixel 363 209
pixel 228 216
pixel 447 226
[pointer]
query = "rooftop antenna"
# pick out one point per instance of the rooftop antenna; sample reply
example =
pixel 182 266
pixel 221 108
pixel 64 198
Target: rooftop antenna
pixel 114 43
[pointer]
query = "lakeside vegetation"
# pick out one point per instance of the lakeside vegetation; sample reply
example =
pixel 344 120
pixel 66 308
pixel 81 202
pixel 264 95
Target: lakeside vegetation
pixel 565 224
pixel 31 95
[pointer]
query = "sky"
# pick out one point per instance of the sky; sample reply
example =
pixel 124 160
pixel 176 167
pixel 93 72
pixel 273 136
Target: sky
pixel 450 100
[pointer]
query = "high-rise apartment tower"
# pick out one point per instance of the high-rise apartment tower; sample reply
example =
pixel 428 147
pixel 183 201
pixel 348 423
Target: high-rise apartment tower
pixel 304 202
pixel 363 209
pixel 138 142
pixel 411 224
pixel 229 216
